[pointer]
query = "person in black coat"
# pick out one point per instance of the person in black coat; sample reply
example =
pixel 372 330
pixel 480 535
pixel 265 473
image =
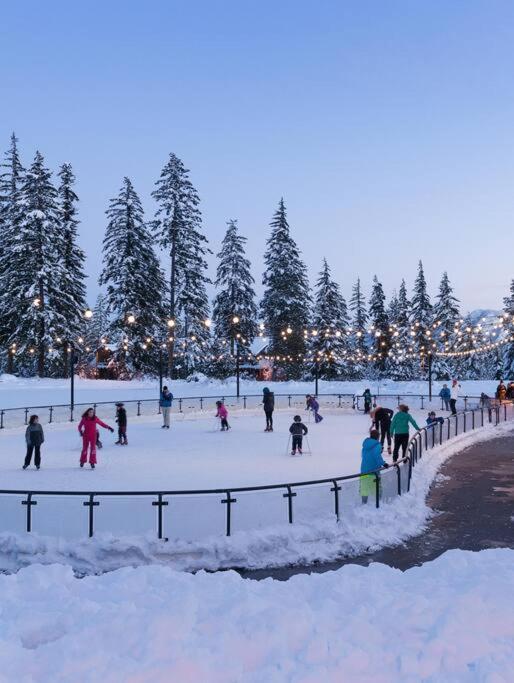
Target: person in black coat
pixel 297 430
pixel 382 421
pixel 34 438
pixel 121 419
pixel 268 403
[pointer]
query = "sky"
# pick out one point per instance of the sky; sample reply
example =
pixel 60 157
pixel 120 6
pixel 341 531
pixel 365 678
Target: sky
pixel 388 127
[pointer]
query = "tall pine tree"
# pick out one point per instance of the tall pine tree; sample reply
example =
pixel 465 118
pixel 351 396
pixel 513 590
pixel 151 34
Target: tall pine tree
pixel 380 328
pixel 178 229
pixel 236 296
pixel 445 315
pixel 358 345
pixel 33 299
pixel 421 314
pixel 330 320
pixel 402 365
pixel 286 301
pixel 133 279
pixel 508 307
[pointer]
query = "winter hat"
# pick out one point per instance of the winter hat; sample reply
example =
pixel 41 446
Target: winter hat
pixel 119 405
pixel 297 418
pixel 265 390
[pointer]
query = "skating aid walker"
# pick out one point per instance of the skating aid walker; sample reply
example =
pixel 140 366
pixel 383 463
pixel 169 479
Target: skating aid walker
pixel 306 447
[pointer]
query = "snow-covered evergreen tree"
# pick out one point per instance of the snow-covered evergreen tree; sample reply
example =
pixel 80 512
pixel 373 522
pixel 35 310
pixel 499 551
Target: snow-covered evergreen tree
pixel 178 229
pixel 470 365
pixel 11 179
pixel 330 321
pixel 33 297
pixel 381 337
pixel 401 341
pixel 286 301
pixel 508 355
pixel 358 345
pixel 133 279
pixel 72 302
pixel 421 313
pixel 445 315
pixel 235 297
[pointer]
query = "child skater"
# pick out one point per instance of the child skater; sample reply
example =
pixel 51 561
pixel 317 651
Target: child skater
pixel 121 419
pixel 34 438
pixel 371 460
pixel 297 430
pixel 222 413
pixel 312 404
pixel 87 430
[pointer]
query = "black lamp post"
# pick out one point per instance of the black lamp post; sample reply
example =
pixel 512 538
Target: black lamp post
pixel 235 341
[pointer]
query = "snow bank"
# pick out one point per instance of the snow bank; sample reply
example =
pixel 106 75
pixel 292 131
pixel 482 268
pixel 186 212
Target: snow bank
pixel 447 621
pixel 361 529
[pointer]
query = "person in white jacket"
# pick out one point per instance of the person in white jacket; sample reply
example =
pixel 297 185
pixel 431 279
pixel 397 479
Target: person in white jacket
pixel 454 395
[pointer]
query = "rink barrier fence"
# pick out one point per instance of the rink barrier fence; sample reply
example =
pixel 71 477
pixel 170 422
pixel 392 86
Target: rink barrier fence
pixel 424 440
pixel 64 412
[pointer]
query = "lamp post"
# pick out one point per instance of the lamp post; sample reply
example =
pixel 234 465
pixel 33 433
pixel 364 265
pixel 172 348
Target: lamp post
pixel 430 375
pixel 88 314
pixel 235 342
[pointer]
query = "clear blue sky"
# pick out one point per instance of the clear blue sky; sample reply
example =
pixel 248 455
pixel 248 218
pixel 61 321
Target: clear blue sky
pixel 388 127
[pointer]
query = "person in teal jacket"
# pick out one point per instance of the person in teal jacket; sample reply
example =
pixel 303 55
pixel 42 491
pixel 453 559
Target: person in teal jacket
pixel 400 430
pixel 371 460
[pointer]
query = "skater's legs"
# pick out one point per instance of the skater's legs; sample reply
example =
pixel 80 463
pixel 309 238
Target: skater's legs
pixel 405 443
pixel 28 457
pixel 85 444
pixel 297 443
pixel 92 453
pixel 37 458
pixel 397 443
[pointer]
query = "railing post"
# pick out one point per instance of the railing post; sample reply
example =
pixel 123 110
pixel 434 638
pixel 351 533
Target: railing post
pixel 244 402
pixel 26 415
pixel 139 408
pixel 289 401
pixel 399 477
pixel 433 436
pixel 180 405
pixel 289 495
pixel 29 503
pixel 464 423
pixel 1 419
pixel 410 472
pixel 91 503
pixel 441 433
pixel 465 402
pixel 335 489
pixel 201 402
pixel 228 502
pixel 51 415
pixel 71 413
pixel 422 398
pixel 339 401
pixel 159 503
pixel 377 490
pixel 472 419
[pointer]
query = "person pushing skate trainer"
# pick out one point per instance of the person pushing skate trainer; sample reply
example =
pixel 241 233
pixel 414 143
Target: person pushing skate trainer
pixel 297 430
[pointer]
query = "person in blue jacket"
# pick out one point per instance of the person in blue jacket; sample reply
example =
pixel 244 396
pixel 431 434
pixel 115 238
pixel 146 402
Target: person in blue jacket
pixel 432 419
pixel 446 395
pixel 371 460
pixel 165 403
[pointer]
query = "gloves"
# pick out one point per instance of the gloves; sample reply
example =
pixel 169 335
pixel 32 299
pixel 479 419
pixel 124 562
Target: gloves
pixel 386 465
pixel 111 430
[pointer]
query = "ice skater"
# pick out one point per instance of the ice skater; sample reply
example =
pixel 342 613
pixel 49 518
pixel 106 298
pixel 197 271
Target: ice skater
pixel 312 404
pixel 454 393
pixel 400 430
pixel 445 395
pixel 268 403
pixel 371 460
pixel 165 402
pixel 87 430
pixel 34 438
pixel 121 419
pixel 222 413
pixel 367 401
pixel 297 430
pixel 433 420
pixel 381 418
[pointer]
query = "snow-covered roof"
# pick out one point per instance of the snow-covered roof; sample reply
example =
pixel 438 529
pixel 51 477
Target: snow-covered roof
pixel 259 345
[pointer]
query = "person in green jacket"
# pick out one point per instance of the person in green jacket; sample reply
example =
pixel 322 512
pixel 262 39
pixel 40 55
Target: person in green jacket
pixel 400 430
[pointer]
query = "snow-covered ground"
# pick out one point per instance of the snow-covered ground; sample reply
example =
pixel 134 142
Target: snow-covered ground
pixel 449 621
pixel 21 392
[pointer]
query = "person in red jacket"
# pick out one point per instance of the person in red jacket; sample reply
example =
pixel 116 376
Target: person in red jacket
pixel 222 413
pixel 87 430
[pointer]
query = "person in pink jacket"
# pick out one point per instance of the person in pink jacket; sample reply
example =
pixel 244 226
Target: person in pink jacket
pixel 223 415
pixel 87 430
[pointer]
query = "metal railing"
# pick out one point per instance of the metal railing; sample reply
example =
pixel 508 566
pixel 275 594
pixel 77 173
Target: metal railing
pixel 343 491
pixel 18 417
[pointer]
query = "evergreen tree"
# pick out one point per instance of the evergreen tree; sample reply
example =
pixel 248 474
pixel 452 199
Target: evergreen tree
pixel 470 365
pixel 133 279
pixel 178 229
pixel 445 314
pixel 421 312
pixel 236 295
pixel 359 348
pixel 330 320
pixel 285 303
pixel 72 302
pixel 402 365
pixel 508 355
pixel 11 179
pixel 33 296
pixel 380 327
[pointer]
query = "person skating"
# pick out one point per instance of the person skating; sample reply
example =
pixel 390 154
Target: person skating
pixel 371 460
pixel 312 404
pixel 222 413
pixel 367 401
pixel 268 403
pixel 400 430
pixel 87 430
pixel 165 402
pixel 121 419
pixel 454 396
pixel 34 438
pixel 445 395
pixel 297 430
pixel 432 419
pixel 382 422
pixel 501 391
pixel 510 392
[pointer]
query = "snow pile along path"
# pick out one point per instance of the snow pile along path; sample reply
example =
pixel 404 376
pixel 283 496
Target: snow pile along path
pixel 362 529
pixel 447 621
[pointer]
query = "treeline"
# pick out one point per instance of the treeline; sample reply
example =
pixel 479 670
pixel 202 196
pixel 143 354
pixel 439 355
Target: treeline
pixel 145 307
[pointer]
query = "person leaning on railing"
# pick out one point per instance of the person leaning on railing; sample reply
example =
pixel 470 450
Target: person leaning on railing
pixel 371 461
pixel 400 430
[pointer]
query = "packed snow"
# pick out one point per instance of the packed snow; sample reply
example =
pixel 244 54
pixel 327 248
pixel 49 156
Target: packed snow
pixel 446 621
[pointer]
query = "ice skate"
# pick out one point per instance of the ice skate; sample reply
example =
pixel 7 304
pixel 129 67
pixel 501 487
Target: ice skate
pixel 81 464
pixel 92 465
